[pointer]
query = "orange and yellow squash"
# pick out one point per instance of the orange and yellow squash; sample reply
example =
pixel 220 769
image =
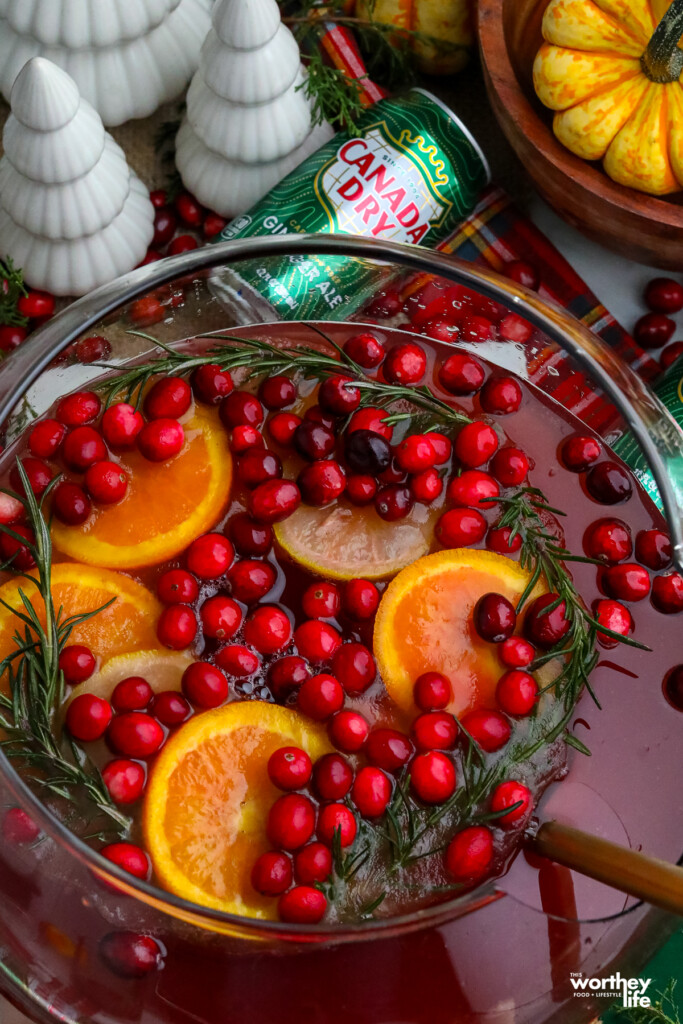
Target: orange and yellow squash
pixel 446 21
pixel 611 69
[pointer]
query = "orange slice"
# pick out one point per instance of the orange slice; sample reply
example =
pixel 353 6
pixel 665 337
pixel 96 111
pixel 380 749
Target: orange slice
pixel 208 799
pixel 129 622
pixel 168 504
pixel 425 624
pixel 342 542
pixel 163 670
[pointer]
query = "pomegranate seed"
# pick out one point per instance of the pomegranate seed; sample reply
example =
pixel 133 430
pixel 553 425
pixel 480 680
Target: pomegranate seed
pixel 78 409
pixel 653 549
pixel 365 350
pixel 502 395
pixel 361 598
pixel 130 955
pixel 461 374
pixel 337 822
pixel 18 827
pixel 169 398
pixel 274 500
pixel 544 627
pixel 316 641
pixel 510 466
pixel 434 730
pixel 388 749
pixel 129 857
pixel 489 729
pixel 177 587
pixel 131 694
pixel 613 616
pixel 609 483
pixel 469 854
pixel 277 392
pixel 221 617
pixel 161 439
pixel 210 556
pixel 83 447
pixel 321 601
pixel 371 792
pixel 432 777
pixel 268 629
pixel 77 662
pixel 517 692
pixel 667 593
pixel 238 661
pixel 45 438
pixel 507 794
pixel 121 424
pixel 88 717
pixel 523 273
pixel 320 697
pixel 124 779
pixel 578 453
pixel 177 627
pixel 291 821
pixel 287 674
pixel 627 582
pixel 472 489
pixel 282 427
pixel 290 768
pixel 170 708
pixel 332 776
pixel 302 905
pixel 241 409
pixel 653 330
pixel 313 864
pixel 354 666
pixel 271 874
pixel 494 618
pixel 515 652
pixel 211 384
pixel 349 731
pixel 405 364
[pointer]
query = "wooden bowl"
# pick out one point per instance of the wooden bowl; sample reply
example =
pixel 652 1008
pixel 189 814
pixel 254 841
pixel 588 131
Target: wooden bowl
pixel 641 227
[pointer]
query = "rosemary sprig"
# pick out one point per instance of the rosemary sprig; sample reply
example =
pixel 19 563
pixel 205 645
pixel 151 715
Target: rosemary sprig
pixel 12 288
pixel 36 683
pixel 663 1010
pixel 334 95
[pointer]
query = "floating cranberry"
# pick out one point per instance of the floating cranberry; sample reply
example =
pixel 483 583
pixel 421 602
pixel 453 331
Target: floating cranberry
pixel 13 550
pixel 124 779
pixel 515 652
pixel 237 660
pixel 372 419
pixel 277 392
pixel 78 409
pixel 394 502
pixel 18 827
pixel 271 874
pixel 129 857
pixel 367 452
pixel 303 904
pixel 432 691
pixel 130 955
pixel 169 398
pixel 494 618
pixel 609 483
pixel 243 438
pixel 472 489
pixel 441 330
pixel 490 730
pixel 286 674
pixel 321 600
pixel 88 717
pixel 250 537
pixel 337 822
pixel 426 486
pixel 510 466
pixel 121 424
pixel 170 708
pixel 221 617
pixel 612 615
pixel 258 465
pixel 461 374
pixel 361 598
pixel 469 854
pixel 45 438
pixel 107 482
pixel 673 687
pixel 77 662
pixel 204 685
pixel 667 357
pixel 290 768
pixel 210 556
pixel 131 694
pixel 514 328
pixel 578 453
pixel 507 794
pixel 83 447
pixel 523 273
pixel 283 426
pixel 177 586
pixel 164 226
pixel 268 629
pixel 546 621
pixel 275 500
pixel 177 627
pixel 388 749
pixel 11 337
pixel 432 777
pixel 667 593
pixel 11 509
pixel 135 734
pixel 502 395
pixel 313 864
pixel 460 528
pixel 371 792
pixel 250 581
pixel 653 330
pixel 654 549
pixel 360 489
pixel 476 328
pixel 313 441
pixel 147 310
pixel 627 582
pixel 475 444
pixel 503 541
pixel 161 439
pixel 321 482
pixel 332 776
pixel 441 445
pixel 320 697
pixel 38 474
pixel 609 540
pixel 517 692
pixel 415 453
pixel 317 641
pixel 354 666
pixel 314 414
pixel 405 364
pixel 349 731
pixel 339 395
pixel 211 384
pixel 241 409
pixel 365 350
pixel 434 730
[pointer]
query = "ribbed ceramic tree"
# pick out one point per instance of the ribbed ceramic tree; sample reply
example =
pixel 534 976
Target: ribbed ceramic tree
pixel 126 56
pixel 248 122
pixel 72 213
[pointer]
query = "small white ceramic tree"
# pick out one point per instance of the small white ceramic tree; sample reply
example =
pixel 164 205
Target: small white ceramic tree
pixel 72 213
pixel 248 122
pixel 126 56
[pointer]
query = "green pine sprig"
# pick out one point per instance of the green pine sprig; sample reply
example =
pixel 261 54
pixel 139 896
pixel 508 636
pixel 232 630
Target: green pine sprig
pixel 12 288
pixel 664 1010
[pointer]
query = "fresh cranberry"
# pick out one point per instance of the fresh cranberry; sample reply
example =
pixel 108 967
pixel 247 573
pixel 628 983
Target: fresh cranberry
pixel 517 692
pixel 473 489
pixel 320 697
pixel 653 330
pixel 361 598
pixel 45 438
pixel 476 328
pixel 213 225
pixel 36 304
pixel 131 694
pixel 147 310
pixel 130 955
pixel 18 827
pixel 211 384
pixel 393 502
pixel 170 708
pixel 426 486
pixel 609 540
pixel 441 445
pixel 501 395
pixel 289 768
pixel 494 618
pixel 432 691
pixel 221 617
pixel 314 414
pixel 502 540
pixel 204 685
pixel 354 666
pixel 77 662
pixel 371 792
pixel 241 409
pixel 441 330
pixel 578 453
pixel 460 528
pixel 177 587
pixel 124 779
pixel 78 409
pixel 515 652
pixel 432 777
pixel 244 439
pixel 83 447
pixel 372 419
pixel 37 472
pixel 11 509
pixel 268 629
pixel 653 549
pixel 286 674
pixel 88 717
pixel 339 396
pixel 461 374
pixel 405 364
pixel 349 731
pixel 365 350
pixel 490 730
pixel 313 864
pixel 164 226
pixel 664 295
pixel 275 500
pixel 523 273
pixel 316 641
pixel 367 453
pixel 667 593
pixel 313 441
pixel 169 398
pixel 544 627
pixel 393 474
pixel 361 489
pixel 507 794
pixel 129 857
pixel 135 734
pixel 210 556
pixel 151 256
pixel 469 854
pixel 277 392
pixel 510 466
pixel 514 328
pixel 673 687
pixel 189 210
pixel 615 617
pixel 609 483
pixel 177 627
pixel 283 426
pixel 271 875
pixel 337 822
pixel 161 439
pixel 158 198
pixel 627 582
pixel 13 550
pixel 434 730
pixel 250 581
pixel 258 465
pixel 237 660
pixel 388 749
pixel 250 537
pixel 11 337
pixel 415 453
pixel 107 482
pixel 304 904
pixel 332 776
pixel 322 482
pixel 475 444
pixel 121 424
pixel 667 357
pixel 321 601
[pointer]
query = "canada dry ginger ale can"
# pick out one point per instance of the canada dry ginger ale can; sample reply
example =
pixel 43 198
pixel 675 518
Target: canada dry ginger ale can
pixel 411 174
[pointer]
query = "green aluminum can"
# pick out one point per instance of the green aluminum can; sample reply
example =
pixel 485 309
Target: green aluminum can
pixel 412 174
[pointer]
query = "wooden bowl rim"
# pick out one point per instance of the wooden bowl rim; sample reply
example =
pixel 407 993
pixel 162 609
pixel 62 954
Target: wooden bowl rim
pixel 590 179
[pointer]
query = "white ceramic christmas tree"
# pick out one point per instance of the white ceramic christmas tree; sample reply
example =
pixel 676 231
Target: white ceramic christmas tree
pixel 72 214
pixel 248 122
pixel 126 56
